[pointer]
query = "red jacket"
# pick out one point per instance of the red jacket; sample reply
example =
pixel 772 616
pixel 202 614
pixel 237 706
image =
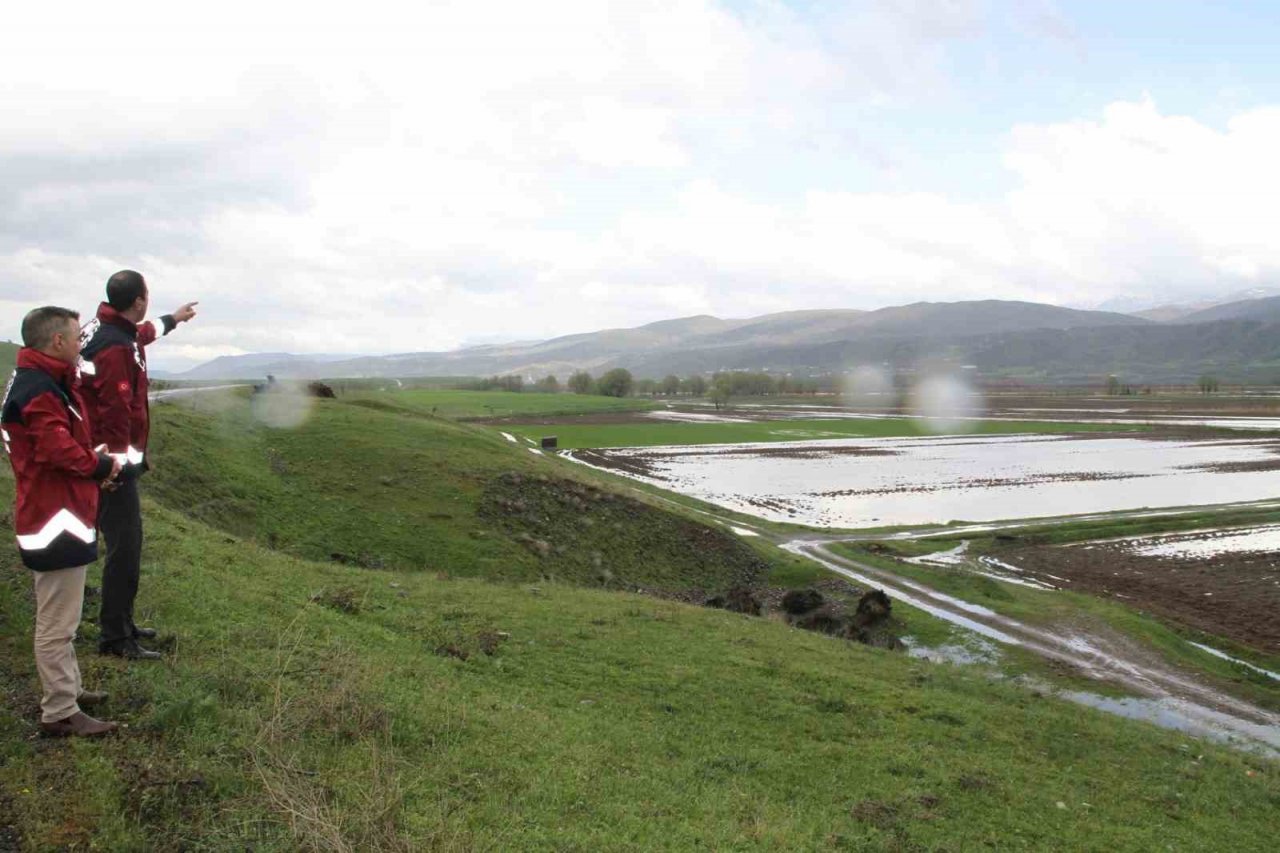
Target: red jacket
pixel 113 370
pixel 46 435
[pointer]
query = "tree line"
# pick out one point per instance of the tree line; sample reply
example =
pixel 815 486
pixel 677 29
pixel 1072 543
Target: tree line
pixel 619 382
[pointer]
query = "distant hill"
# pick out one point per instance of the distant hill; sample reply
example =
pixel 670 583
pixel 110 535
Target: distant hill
pixel 1182 312
pixel 1266 309
pixel 700 343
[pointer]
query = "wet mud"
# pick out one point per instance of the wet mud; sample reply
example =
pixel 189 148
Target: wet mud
pixel 1236 596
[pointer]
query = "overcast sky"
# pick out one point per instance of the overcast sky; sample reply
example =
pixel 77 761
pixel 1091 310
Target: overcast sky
pixel 386 177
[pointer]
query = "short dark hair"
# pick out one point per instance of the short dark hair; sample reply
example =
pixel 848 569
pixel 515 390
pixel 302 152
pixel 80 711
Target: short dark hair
pixel 40 325
pixel 124 288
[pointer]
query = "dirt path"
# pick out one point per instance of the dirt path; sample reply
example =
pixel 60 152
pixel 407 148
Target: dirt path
pixel 1181 702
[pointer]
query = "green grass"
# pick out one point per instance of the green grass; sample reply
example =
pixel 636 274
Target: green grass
pixel 313 706
pixel 411 492
pixel 8 357
pixel 574 436
pixel 461 405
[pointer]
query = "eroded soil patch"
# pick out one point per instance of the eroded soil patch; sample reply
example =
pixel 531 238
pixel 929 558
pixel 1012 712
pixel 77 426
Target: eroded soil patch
pixel 586 535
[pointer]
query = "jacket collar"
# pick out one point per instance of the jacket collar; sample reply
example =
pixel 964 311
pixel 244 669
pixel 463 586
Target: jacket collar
pixel 107 314
pixel 36 360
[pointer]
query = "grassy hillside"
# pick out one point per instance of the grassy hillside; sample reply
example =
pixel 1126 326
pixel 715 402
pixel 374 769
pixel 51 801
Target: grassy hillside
pixel 369 484
pixel 314 706
pixel 8 355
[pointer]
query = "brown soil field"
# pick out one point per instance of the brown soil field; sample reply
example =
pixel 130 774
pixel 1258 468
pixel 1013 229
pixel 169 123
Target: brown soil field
pixel 1236 596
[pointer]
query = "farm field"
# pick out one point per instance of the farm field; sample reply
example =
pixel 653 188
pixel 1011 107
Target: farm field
pixel 573 433
pixel 471 405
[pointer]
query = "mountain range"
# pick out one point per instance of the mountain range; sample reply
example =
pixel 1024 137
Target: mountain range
pixel 1237 341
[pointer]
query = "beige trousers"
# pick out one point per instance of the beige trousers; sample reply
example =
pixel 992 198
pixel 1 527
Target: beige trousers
pixel 59 598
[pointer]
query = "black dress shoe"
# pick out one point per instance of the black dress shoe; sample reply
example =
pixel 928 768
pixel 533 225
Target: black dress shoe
pixel 129 650
pixel 144 633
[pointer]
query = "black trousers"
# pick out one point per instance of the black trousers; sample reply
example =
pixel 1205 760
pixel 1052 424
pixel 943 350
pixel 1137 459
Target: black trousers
pixel 120 521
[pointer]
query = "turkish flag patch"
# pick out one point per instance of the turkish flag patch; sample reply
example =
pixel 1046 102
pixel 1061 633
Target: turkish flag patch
pixel 123 387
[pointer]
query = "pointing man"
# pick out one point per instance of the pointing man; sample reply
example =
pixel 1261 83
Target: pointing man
pixel 114 370
pixel 54 468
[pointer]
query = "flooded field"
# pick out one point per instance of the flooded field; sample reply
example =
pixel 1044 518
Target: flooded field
pixel 1207 543
pixel 1136 416
pixel 859 483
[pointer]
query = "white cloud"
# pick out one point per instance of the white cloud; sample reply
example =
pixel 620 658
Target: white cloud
pixel 404 177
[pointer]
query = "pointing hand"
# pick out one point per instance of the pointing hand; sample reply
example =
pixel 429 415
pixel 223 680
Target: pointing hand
pixel 185 313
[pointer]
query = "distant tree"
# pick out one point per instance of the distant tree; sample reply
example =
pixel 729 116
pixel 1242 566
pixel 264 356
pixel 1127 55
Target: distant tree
pixel 647 386
pixel 671 385
pixel 1208 384
pixel 616 383
pixel 721 391
pixel 498 383
pixel 694 386
pixel 549 385
pixel 1113 385
pixel 581 383
pixel 743 383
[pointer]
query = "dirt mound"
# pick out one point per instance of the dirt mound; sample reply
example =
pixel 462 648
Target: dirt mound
pixel 871 623
pixel 800 601
pixel 584 534
pixel 827 619
pixel 737 600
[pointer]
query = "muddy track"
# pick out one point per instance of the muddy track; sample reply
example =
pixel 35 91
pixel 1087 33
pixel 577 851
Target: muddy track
pixel 1206 710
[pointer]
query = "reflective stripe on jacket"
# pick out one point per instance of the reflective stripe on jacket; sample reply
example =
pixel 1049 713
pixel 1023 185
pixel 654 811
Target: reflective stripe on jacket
pixel 113 371
pixel 47 436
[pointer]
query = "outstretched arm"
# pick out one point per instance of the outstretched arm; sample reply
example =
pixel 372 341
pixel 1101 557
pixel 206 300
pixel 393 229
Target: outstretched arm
pixel 147 331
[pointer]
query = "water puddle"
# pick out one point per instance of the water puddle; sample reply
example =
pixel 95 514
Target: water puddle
pixel 694 418
pixel 1009 573
pixel 509 437
pixel 742 531
pixel 954 557
pixel 1224 656
pixel 1186 717
pixel 976 651
pixel 1206 544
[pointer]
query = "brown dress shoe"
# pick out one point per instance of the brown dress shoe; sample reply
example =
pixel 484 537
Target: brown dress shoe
pixel 78 724
pixel 92 698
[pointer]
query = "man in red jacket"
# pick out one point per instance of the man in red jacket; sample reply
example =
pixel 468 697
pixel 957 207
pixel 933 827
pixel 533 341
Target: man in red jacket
pixel 113 367
pixel 46 435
